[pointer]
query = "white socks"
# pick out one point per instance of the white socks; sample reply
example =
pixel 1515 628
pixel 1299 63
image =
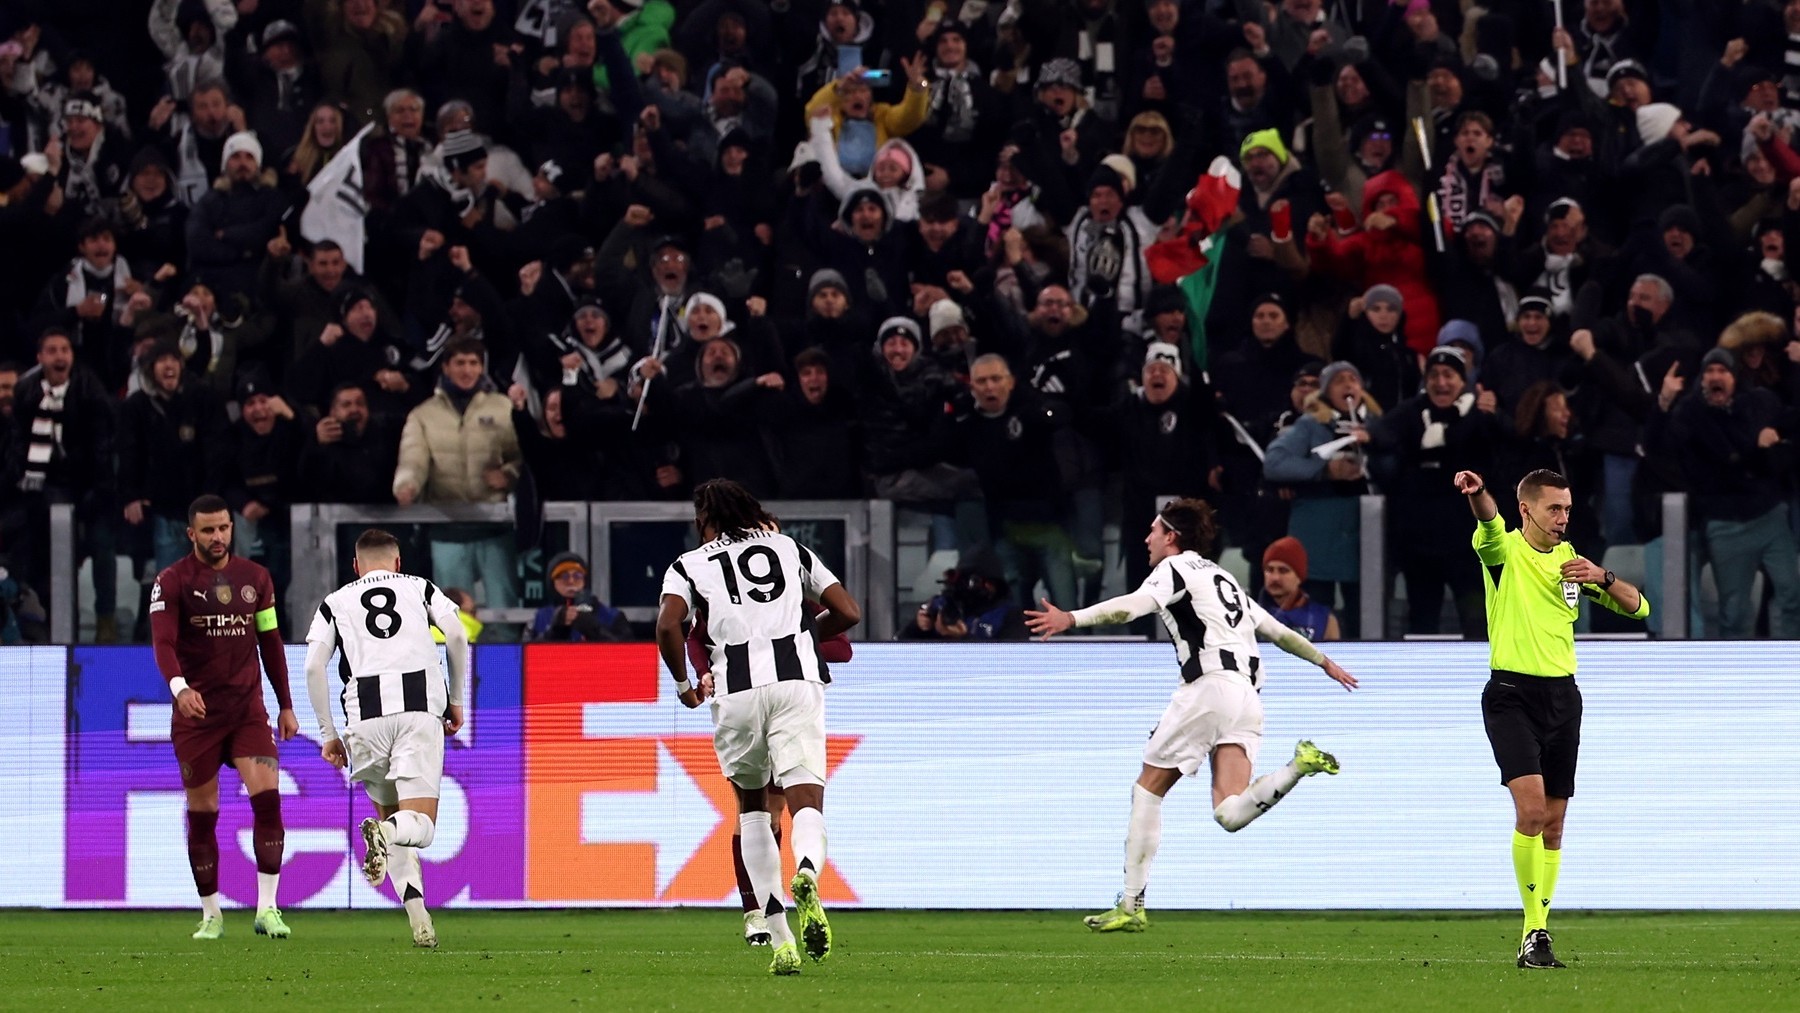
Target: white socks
pixel 762 860
pixel 412 829
pixel 408 877
pixel 1141 841
pixel 809 842
pixel 209 905
pixel 265 890
pixel 1237 812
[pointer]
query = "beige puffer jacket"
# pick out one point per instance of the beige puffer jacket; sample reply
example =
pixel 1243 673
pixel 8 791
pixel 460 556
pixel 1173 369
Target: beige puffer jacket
pixel 444 456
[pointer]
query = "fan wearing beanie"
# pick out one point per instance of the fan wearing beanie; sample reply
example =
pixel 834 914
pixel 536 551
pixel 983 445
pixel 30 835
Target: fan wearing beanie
pixel 1283 571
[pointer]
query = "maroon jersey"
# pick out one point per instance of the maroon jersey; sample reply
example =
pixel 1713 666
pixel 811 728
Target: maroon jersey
pixel 207 624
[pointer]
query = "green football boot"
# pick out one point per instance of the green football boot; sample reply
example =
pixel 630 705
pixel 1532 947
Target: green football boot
pixel 1310 759
pixel 269 923
pixel 787 960
pixel 815 930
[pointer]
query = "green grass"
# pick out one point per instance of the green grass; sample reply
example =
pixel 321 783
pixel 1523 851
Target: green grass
pixel 1042 961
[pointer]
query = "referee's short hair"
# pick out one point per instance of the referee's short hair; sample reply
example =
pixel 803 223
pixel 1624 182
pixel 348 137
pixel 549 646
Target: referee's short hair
pixel 377 544
pixel 1538 481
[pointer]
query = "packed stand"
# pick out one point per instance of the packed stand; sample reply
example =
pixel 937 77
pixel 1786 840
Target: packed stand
pixel 1024 266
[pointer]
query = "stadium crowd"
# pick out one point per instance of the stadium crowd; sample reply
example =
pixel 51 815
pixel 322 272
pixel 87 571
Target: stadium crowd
pixel 912 250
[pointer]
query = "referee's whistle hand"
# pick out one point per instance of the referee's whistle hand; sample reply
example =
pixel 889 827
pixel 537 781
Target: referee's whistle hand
pixel 1468 483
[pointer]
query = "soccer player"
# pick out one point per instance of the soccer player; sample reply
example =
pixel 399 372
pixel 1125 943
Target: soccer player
pixel 1531 706
pixel 1216 714
pixel 835 651
pixel 211 614
pixel 750 582
pixel 395 705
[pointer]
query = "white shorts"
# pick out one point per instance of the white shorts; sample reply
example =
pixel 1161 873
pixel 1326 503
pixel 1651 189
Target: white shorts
pixel 767 731
pixel 1211 711
pixel 397 756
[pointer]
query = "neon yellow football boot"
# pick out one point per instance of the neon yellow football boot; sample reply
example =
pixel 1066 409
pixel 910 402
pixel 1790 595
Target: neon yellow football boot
pixel 815 930
pixel 269 923
pixel 1119 919
pixel 211 927
pixel 1310 759
pixel 787 960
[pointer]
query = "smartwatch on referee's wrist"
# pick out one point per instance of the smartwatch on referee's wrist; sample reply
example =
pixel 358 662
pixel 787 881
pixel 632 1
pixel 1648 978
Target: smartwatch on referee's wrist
pixel 1607 582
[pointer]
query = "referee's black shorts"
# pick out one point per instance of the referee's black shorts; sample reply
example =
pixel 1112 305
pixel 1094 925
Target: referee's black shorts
pixel 1534 725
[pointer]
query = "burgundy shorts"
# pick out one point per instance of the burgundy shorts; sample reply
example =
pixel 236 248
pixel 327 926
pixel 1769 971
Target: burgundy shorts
pixel 203 748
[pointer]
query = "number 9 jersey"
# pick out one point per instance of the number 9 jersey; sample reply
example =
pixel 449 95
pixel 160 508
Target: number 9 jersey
pixel 388 662
pixel 1211 619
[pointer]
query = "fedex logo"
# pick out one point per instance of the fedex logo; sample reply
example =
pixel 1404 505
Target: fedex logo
pixel 120 762
pixel 624 798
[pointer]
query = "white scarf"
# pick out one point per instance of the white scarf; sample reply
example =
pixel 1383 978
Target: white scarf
pixel 78 286
pixel 83 185
pixel 1555 279
pixel 1436 432
pixel 191 176
pixel 461 198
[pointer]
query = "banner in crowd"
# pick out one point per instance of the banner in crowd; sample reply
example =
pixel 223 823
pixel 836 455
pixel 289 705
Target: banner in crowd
pixel 974 776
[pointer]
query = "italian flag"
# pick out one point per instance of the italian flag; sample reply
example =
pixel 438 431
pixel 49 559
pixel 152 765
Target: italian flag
pixel 1190 261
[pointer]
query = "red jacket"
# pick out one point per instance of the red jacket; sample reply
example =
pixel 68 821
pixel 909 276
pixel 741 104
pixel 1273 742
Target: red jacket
pixel 1391 256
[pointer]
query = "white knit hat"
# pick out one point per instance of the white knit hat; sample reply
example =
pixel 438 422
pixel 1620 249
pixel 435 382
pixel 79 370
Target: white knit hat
pixel 945 314
pixel 1162 351
pixel 243 140
pixel 1654 121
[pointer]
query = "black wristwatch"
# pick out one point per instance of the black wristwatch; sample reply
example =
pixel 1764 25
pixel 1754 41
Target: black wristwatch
pixel 1608 582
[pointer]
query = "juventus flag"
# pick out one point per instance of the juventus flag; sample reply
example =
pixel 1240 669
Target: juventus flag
pixel 336 207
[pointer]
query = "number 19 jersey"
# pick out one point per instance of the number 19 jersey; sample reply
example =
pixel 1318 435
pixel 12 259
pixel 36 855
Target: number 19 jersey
pixel 752 593
pixel 388 662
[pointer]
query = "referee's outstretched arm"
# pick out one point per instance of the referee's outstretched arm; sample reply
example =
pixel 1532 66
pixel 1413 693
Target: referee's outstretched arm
pixel 1480 500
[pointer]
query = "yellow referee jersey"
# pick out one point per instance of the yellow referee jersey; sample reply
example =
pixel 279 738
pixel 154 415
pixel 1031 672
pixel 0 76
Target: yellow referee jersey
pixel 1531 609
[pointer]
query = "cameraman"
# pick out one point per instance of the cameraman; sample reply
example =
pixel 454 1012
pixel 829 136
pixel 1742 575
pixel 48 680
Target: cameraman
pixel 975 605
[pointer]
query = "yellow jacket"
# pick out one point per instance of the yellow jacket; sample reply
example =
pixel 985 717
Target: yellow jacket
pixel 444 455
pixel 890 120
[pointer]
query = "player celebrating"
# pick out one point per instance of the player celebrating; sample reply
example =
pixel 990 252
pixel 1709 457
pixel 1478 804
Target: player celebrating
pixel 750 582
pixel 1216 714
pixel 1531 706
pixel 396 708
pixel 210 616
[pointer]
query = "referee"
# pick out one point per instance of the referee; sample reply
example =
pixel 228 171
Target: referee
pixel 1531 706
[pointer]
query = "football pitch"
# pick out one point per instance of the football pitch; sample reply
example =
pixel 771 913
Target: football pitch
pixel 695 960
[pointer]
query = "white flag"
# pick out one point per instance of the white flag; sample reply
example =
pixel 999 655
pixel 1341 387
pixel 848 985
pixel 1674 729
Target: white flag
pixel 336 207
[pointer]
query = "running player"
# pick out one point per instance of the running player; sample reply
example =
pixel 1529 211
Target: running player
pixel 750 582
pixel 211 614
pixel 1216 713
pixel 836 650
pixel 1531 705
pixel 395 705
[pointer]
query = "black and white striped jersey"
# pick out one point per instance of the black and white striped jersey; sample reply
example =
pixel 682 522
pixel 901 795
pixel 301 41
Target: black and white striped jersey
pixel 1211 619
pixel 752 592
pixel 388 661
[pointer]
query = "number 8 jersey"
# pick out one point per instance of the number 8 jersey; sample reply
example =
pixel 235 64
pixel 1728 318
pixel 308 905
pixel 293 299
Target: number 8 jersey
pixel 388 662
pixel 1213 622
pixel 751 592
